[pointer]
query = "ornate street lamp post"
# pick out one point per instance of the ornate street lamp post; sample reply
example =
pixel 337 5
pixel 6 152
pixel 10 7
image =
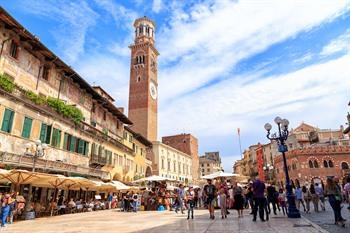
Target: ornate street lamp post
pixel 280 137
pixel 38 152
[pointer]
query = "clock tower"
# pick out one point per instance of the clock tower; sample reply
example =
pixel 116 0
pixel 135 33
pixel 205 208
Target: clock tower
pixel 143 89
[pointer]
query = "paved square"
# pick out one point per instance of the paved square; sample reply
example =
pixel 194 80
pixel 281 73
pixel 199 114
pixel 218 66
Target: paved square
pixel 158 222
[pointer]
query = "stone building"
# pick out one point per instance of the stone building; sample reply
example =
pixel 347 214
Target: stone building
pixel 188 144
pixel 172 163
pixel 210 163
pixel 42 98
pixel 305 135
pixel 315 163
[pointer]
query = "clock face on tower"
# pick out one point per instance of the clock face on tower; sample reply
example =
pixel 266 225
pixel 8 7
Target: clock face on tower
pixel 153 90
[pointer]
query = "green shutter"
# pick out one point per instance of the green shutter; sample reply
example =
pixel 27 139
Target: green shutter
pixel 56 137
pixel 86 149
pixel 65 141
pixel 72 144
pixel 7 120
pixel 48 134
pixel 81 146
pixel 43 132
pixel 27 127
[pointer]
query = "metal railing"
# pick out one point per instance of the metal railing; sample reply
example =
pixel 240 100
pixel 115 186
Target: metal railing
pixel 49 165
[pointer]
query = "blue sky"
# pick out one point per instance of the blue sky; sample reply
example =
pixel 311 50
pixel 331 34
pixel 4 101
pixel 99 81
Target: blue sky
pixel 223 64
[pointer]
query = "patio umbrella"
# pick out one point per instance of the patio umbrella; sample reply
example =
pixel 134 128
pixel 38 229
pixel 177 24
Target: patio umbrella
pixel 153 178
pixel 17 177
pixel 120 186
pixel 219 174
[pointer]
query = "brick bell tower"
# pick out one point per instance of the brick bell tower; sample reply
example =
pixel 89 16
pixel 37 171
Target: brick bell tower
pixel 143 89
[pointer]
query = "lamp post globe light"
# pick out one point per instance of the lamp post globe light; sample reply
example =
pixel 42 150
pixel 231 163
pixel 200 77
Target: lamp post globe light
pixel 37 152
pixel 269 169
pixel 280 137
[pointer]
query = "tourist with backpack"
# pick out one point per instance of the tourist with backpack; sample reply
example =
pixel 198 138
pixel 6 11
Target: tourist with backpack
pixel 209 193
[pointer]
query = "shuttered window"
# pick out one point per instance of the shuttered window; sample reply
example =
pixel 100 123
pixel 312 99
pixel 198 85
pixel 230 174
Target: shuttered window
pixel 45 133
pixel 72 144
pixel 27 127
pixel 7 120
pixel 81 144
pixel 65 141
pixel 86 149
pixel 56 137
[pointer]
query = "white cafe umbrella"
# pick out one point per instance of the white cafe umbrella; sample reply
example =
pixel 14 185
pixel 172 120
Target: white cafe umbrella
pixel 219 174
pixel 153 178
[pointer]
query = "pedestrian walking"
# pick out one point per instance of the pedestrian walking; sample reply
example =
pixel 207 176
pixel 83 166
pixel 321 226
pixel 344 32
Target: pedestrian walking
pixel 282 201
pixel 231 198
pixel 299 197
pixel 238 200
pixel 181 196
pixel 209 193
pixel 314 197
pixel 249 198
pixel 5 209
pixel 320 194
pixel 347 191
pixel 13 206
pixel 333 192
pixel 134 202
pixel 109 200
pixel 259 199
pixel 223 203
pixel 190 196
pixel 272 198
pixel 307 198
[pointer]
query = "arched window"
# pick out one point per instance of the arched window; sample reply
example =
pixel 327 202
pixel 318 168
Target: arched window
pixel 344 165
pixel 315 164
pixel 311 165
pixel 330 163
pixel 325 163
pixel 294 166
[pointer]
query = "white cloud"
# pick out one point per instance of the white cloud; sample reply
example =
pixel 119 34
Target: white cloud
pixel 340 44
pixel 221 108
pixel 307 57
pixel 74 19
pixel 207 41
pixel 109 72
pixel 157 6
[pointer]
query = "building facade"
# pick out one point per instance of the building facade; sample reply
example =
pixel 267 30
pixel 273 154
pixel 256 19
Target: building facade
pixel 172 163
pixel 315 163
pixel 188 144
pixel 210 163
pixel 42 98
pixel 143 90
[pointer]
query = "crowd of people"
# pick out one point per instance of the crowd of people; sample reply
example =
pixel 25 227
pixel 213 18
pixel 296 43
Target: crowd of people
pixel 262 199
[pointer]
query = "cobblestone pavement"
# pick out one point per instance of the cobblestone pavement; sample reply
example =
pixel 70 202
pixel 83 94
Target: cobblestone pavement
pixel 325 219
pixel 159 222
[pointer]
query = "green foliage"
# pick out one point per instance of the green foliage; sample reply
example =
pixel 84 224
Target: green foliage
pixel 66 110
pixel 6 83
pixel 37 99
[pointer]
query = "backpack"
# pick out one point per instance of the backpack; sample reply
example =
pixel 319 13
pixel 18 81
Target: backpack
pixel 210 190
